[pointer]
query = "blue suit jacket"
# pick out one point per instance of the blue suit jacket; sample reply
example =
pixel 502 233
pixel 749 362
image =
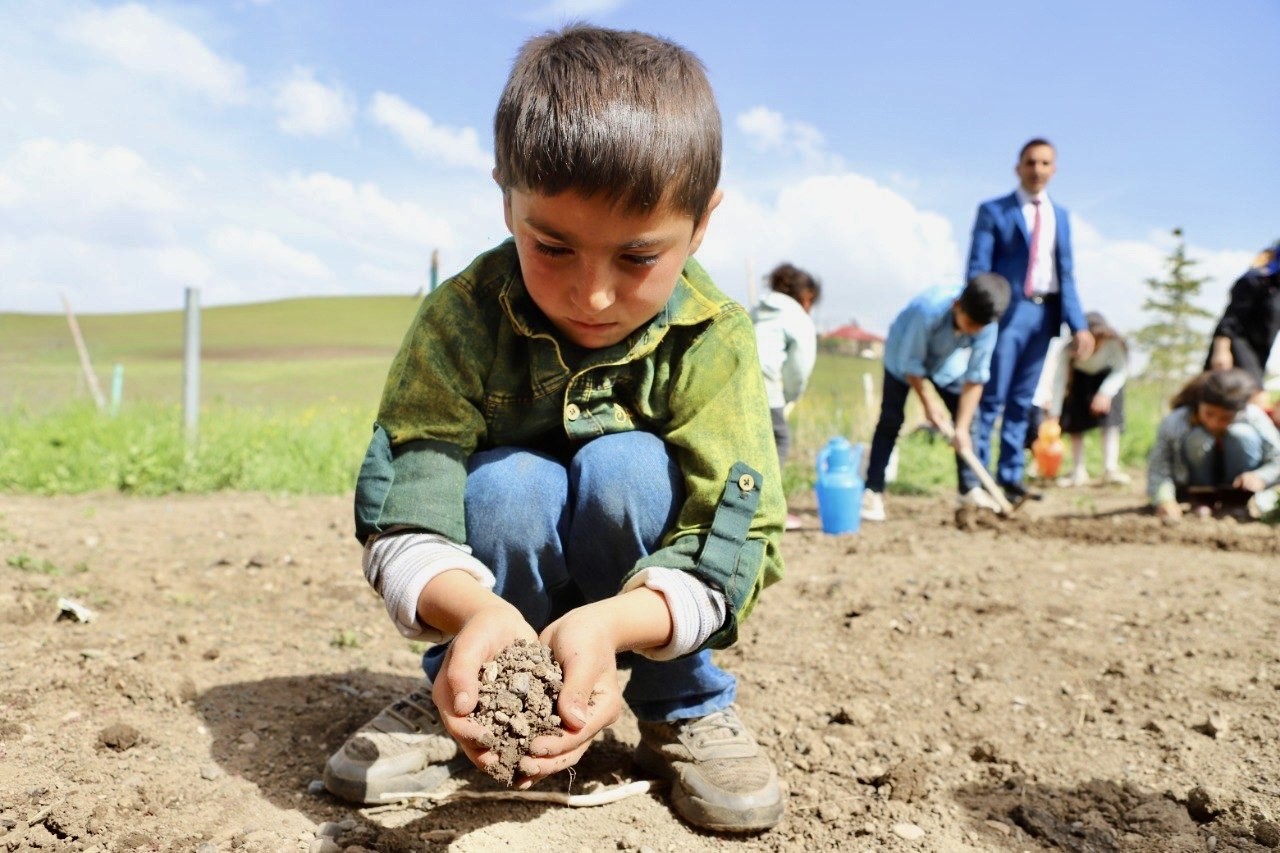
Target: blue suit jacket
pixel 1001 244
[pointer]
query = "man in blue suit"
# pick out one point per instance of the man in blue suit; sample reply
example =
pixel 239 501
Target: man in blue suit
pixel 1027 239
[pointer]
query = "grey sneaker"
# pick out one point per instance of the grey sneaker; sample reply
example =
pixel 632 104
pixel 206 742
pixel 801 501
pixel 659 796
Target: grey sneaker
pixel 720 777
pixel 402 750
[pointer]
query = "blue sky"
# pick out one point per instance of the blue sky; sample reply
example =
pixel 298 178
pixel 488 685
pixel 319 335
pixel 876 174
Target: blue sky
pixel 280 148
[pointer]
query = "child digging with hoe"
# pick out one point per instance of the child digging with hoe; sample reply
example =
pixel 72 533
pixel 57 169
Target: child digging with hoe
pixel 574 447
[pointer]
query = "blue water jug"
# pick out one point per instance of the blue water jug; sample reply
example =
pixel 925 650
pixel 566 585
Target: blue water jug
pixel 839 486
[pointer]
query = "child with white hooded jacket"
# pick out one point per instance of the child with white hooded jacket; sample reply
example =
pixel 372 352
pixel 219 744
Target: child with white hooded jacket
pixel 788 345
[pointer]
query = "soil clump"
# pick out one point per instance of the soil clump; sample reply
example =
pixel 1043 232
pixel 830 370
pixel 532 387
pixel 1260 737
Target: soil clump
pixel 517 703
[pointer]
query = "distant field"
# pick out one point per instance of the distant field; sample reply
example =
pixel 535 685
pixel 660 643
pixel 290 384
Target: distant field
pixel 273 354
pixel 290 388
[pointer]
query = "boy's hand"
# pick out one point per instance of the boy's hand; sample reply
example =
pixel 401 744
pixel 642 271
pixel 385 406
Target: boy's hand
pixel 1169 509
pixel 1100 405
pixel 590 700
pixel 457 687
pixel 938 416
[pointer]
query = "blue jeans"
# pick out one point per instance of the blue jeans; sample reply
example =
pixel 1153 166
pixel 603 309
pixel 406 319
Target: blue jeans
pixel 893 404
pixel 1241 452
pixel 557 537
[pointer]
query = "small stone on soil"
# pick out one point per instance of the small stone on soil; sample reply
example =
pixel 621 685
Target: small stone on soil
pixel 119 736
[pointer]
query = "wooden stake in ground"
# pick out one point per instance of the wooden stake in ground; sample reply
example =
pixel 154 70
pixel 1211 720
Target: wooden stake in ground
pixel 94 388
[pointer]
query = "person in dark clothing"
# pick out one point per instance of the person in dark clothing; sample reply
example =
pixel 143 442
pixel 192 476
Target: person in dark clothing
pixel 1244 335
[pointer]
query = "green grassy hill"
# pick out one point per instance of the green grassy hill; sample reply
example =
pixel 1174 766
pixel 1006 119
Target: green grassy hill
pixel 289 390
pixel 289 352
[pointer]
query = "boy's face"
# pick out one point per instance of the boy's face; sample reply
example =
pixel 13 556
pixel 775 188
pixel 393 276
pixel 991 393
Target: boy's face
pixel 598 273
pixel 965 324
pixel 1036 167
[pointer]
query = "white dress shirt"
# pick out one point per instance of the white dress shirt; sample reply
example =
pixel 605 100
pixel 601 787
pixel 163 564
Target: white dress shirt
pixel 1045 275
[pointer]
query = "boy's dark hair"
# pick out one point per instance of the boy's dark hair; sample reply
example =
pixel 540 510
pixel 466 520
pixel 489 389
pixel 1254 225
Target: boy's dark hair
pixel 985 297
pixel 1229 389
pixel 794 282
pixel 1032 143
pixel 622 115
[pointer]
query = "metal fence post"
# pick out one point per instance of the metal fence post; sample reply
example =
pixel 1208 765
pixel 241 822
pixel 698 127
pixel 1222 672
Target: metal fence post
pixel 191 365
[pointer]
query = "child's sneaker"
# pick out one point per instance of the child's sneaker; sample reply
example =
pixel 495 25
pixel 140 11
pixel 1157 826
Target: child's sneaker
pixel 872 506
pixel 1116 478
pixel 720 777
pixel 404 749
pixel 980 498
pixel 1073 480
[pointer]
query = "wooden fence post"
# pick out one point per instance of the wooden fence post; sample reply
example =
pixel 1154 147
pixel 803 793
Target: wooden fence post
pixel 94 388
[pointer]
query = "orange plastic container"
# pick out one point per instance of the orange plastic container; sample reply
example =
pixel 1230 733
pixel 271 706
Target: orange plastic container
pixel 1048 449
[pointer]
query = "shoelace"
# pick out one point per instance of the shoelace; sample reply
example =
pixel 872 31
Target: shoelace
pixel 709 729
pixel 414 709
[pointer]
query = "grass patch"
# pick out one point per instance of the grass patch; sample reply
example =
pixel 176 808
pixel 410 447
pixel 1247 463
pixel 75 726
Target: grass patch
pixel 144 450
pixel 288 395
pixel 24 562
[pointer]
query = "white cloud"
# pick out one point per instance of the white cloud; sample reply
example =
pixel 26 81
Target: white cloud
pixel 771 132
pixel 80 188
pixel 307 107
pixel 870 246
pixel 98 276
pixel 1111 275
pixel 430 141
pixel 363 212
pixel 138 39
pixel 265 252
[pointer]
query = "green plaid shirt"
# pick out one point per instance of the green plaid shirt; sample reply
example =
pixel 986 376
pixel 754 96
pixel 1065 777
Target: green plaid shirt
pixel 482 367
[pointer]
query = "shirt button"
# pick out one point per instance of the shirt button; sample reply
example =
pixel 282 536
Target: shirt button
pixel 746 482
pixel 572 411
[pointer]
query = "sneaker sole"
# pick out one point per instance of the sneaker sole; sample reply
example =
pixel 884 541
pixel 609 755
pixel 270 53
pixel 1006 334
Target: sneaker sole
pixel 707 815
pixel 423 781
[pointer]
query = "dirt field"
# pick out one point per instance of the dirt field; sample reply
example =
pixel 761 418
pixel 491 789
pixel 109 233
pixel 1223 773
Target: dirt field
pixel 1080 677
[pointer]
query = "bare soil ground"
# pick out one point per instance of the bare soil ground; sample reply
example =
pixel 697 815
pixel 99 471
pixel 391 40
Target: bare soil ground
pixel 1080 677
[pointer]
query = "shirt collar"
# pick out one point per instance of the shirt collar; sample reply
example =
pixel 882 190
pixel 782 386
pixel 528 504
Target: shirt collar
pixel 1025 198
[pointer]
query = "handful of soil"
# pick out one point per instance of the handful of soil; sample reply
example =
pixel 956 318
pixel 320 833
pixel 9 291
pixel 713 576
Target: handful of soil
pixel 518 692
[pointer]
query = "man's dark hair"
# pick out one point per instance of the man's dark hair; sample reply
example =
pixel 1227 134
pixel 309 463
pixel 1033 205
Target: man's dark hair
pixel 624 116
pixel 1032 143
pixel 985 297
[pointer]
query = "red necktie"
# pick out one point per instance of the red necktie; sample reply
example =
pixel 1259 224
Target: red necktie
pixel 1028 285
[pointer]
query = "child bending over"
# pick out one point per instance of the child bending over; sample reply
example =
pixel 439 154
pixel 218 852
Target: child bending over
pixel 945 336
pixel 1088 394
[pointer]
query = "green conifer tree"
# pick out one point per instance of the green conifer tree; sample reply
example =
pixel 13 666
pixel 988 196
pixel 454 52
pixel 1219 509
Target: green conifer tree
pixel 1174 345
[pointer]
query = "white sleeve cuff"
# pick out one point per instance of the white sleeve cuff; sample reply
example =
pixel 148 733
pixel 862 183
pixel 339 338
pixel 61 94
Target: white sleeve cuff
pixel 400 566
pixel 697 610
